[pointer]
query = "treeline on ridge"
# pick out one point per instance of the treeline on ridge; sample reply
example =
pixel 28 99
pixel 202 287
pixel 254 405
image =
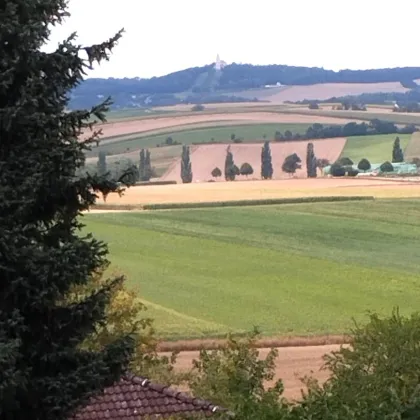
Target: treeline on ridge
pixel 378 98
pixel 246 76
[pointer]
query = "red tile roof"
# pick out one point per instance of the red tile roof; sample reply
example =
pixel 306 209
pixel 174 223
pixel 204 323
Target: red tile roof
pixel 133 398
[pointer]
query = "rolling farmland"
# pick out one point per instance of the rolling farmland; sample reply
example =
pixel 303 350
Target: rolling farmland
pixel 317 265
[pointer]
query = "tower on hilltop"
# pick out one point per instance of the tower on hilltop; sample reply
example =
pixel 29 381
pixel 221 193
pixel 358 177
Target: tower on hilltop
pixel 220 64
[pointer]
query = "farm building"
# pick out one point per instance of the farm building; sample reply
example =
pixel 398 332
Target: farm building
pixel 137 398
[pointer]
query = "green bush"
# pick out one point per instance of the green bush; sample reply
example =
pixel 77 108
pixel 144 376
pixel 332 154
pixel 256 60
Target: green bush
pixel 344 161
pixel 337 170
pixel 352 172
pixel 147 183
pixel 238 203
pixel 364 165
pixel 386 167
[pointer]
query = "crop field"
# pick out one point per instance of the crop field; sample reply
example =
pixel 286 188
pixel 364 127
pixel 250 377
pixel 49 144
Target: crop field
pixel 377 148
pixel 395 117
pixel 290 269
pixel 247 132
pixel 252 190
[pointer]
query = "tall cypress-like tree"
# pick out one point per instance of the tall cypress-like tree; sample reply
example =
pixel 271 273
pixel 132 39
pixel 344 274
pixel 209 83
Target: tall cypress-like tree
pixel 102 167
pixel 230 172
pixel 310 161
pixel 186 170
pixel 142 166
pixel 397 153
pixel 147 166
pixel 44 372
pixel 266 164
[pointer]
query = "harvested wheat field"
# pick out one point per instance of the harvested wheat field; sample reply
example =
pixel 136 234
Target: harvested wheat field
pixel 293 363
pixel 249 190
pixel 323 91
pixel 206 157
pixel 121 128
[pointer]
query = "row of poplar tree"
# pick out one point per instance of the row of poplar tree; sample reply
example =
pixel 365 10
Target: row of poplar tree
pixel 290 164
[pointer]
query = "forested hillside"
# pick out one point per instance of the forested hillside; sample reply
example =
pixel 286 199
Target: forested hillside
pixel 205 84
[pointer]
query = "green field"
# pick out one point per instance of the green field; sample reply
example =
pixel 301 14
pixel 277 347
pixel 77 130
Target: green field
pixel 377 148
pixel 248 132
pixel 290 269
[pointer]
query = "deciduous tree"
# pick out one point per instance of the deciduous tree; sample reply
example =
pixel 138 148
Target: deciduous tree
pixel 364 165
pixel 246 169
pixel 291 164
pixel 216 172
pixel 44 373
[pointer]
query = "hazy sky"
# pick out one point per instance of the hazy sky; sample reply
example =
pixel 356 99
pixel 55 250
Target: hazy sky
pixel 163 36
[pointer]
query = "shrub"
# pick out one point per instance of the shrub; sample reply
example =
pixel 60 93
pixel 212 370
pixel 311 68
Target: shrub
pixel 291 164
pixel 344 161
pixel 313 105
pixel 352 172
pixel 337 170
pixel 364 165
pixel 216 172
pixel 262 202
pixel 386 167
pixel 198 107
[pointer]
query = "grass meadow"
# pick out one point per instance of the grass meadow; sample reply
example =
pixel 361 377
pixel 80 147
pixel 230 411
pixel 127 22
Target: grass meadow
pixel 289 269
pixel 377 148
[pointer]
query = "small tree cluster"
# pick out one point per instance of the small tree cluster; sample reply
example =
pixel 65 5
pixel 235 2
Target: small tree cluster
pixel 311 161
pixel 397 153
pixel 266 162
pixel 186 169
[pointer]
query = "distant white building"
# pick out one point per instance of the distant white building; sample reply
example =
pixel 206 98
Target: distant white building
pixel 220 64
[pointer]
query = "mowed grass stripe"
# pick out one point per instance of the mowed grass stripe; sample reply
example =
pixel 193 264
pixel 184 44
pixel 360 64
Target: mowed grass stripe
pixel 230 269
pixel 377 148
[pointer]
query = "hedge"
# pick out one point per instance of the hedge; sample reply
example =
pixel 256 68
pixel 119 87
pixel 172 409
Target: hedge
pixel 297 200
pixel 146 183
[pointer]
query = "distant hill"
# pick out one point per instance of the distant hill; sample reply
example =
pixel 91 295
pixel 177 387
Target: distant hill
pixel 206 84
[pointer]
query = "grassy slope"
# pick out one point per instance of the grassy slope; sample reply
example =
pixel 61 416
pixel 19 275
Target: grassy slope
pixel 377 149
pixel 413 148
pixel 249 132
pixel 290 269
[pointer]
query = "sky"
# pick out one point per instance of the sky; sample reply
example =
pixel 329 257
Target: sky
pixel 163 36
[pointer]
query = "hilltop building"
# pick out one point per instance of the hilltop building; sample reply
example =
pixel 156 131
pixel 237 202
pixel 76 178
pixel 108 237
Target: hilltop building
pixel 220 64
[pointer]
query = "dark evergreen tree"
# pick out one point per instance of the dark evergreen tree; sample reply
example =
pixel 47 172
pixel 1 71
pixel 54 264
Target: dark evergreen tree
pixel 186 170
pixel 102 167
pixel 230 173
pixel 311 162
pixel 142 166
pixel 397 153
pixel 44 372
pixel 148 171
pixel 266 164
